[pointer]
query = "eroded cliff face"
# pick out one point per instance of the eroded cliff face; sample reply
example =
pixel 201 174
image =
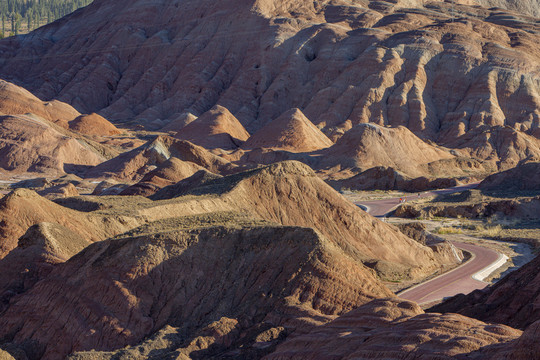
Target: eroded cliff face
pixel 341 63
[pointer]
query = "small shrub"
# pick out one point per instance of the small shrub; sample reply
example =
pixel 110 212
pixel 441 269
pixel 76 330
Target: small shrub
pixel 490 231
pixel 448 230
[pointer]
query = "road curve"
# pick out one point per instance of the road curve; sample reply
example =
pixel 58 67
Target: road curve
pixel 380 208
pixel 456 281
pixel 459 280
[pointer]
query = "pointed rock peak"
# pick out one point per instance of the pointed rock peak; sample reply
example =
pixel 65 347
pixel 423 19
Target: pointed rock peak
pixel 19 193
pixel 368 145
pixel 291 131
pixel 216 128
pixel 221 119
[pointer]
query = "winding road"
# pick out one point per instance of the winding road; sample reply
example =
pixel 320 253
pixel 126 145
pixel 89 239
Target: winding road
pixel 459 280
pixel 464 279
pixel 380 208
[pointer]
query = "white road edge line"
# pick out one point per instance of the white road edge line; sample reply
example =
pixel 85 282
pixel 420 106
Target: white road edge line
pixel 473 256
pixel 485 272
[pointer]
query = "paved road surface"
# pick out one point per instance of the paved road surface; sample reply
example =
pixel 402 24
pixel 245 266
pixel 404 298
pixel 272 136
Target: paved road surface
pixel 382 207
pixel 451 283
pixel 456 281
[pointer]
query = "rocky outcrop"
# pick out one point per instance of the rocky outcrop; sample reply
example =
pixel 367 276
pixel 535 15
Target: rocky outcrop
pixel 366 146
pixel 133 165
pixel 523 177
pixel 31 144
pixel 93 124
pixel 521 208
pixel 390 63
pixel 216 128
pixel 392 329
pixel 384 178
pixel 510 301
pixel 168 173
pixel 291 131
pixel 117 292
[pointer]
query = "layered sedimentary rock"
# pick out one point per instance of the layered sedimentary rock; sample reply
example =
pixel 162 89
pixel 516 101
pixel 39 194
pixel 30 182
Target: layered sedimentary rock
pixel 393 63
pixel 389 329
pixel 511 301
pixel 15 100
pixel 291 131
pixel 38 250
pixel 168 173
pixel 500 147
pixel 368 145
pixel 290 193
pixel 133 165
pixel 522 177
pixel 93 124
pixel 31 144
pixel 475 206
pixel 24 208
pixel 216 128
pixel 115 293
pixel 385 178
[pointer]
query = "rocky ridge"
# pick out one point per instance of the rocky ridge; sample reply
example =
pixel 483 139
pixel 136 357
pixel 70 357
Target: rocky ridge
pixel 342 64
pixel 130 280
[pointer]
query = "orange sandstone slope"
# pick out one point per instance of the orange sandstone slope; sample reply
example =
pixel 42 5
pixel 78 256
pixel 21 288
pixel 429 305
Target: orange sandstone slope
pixel 93 124
pixel 369 145
pixel 15 100
pixel 291 131
pixel 216 128
pixel 31 144
pixel 23 208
